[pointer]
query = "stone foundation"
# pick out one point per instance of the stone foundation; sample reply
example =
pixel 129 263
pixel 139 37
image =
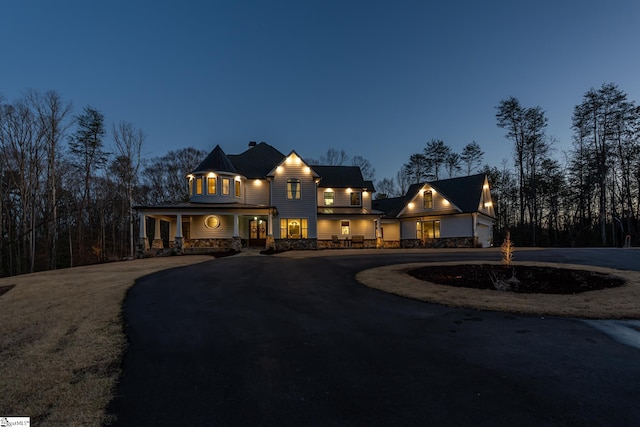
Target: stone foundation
pixel 341 244
pixel 157 244
pixel 446 242
pixel 201 246
pixel 295 244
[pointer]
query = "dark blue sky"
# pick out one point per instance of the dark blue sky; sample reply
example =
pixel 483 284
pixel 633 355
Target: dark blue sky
pixel 377 79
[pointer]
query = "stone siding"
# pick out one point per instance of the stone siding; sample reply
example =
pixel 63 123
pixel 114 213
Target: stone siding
pixel 296 244
pixel 446 242
pixel 199 246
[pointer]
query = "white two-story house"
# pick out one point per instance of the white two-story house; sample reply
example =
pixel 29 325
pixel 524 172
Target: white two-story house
pixel 263 198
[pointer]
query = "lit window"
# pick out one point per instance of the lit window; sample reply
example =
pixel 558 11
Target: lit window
pixel 356 198
pixel 198 185
pixel 428 200
pixel 344 227
pixel 237 188
pixel 328 198
pixel 226 186
pixel 293 228
pixel 211 185
pixel 293 189
pixel 212 222
pixel 428 229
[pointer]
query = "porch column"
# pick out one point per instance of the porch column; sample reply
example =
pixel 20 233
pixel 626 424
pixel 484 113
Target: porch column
pixel 157 240
pixel 236 226
pixel 271 243
pixel 379 243
pixel 143 242
pixel 177 245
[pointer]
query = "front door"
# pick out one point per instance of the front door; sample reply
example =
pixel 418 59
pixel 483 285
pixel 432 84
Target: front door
pixel 258 233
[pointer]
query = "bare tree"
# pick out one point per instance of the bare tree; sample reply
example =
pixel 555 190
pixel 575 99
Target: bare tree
pixel 367 169
pixel 52 114
pixel 128 145
pixel 333 157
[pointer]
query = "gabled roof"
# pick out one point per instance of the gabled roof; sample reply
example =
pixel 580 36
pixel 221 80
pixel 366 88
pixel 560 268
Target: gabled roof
pixel 463 192
pixel 257 161
pixel 216 161
pixel 391 206
pixel 291 155
pixel 342 177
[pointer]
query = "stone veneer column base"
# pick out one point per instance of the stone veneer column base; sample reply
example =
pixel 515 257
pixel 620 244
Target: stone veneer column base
pixel 157 244
pixel 271 243
pixel 177 245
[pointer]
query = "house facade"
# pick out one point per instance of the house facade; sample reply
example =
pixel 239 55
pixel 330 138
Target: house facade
pixel 263 198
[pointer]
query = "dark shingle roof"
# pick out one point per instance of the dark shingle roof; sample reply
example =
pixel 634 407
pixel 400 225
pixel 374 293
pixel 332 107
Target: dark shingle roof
pixel 390 206
pixel 257 161
pixel 216 161
pixel 342 177
pixel 463 192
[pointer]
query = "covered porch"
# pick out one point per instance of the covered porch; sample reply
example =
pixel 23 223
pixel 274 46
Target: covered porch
pixel 203 228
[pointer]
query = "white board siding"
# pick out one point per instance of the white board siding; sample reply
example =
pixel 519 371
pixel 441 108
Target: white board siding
pixel 200 231
pixel 305 207
pixel 342 197
pixel 450 226
pixel 391 231
pixel 256 192
pixel 331 227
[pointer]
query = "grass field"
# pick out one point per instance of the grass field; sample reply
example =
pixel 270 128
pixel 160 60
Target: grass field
pixel 62 339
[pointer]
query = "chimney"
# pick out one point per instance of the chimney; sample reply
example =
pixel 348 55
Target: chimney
pixel 252 144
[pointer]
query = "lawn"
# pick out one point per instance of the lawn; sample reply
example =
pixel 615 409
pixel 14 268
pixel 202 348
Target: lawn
pixel 63 339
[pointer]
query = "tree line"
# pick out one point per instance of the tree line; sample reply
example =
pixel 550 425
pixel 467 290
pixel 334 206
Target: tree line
pixel 68 183
pixel 588 197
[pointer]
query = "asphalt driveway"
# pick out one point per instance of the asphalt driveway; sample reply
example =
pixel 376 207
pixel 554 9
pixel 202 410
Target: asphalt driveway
pixel 283 341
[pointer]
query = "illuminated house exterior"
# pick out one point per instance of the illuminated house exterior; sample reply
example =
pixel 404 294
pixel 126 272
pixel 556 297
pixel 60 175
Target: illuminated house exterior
pixel 263 198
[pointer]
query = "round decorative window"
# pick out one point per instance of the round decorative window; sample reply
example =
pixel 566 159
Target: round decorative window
pixel 212 221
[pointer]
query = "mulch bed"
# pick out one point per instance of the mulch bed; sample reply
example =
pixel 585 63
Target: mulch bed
pixel 530 279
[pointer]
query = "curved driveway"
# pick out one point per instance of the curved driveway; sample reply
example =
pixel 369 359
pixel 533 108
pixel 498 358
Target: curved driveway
pixel 257 340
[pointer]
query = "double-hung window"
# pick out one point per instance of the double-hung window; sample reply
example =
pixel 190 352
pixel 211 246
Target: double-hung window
pixel 293 189
pixel 427 200
pixel 356 198
pixel 328 198
pixel 211 185
pixel 237 188
pixel 226 186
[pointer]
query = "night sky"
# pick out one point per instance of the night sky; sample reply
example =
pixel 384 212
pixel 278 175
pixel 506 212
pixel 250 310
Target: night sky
pixel 377 79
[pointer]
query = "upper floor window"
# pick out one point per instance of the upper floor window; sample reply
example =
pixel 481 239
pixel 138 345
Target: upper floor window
pixel 198 185
pixel 293 189
pixel 328 198
pixel 237 188
pixel 226 186
pixel 427 200
pixel 211 185
pixel 356 198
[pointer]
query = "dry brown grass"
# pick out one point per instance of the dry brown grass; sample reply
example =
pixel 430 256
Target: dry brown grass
pixel 614 303
pixel 62 339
